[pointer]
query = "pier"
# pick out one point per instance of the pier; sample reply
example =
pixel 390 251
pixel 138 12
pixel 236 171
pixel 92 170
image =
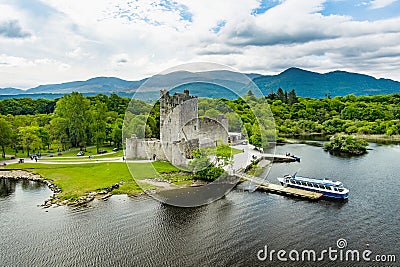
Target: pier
pixel 252 183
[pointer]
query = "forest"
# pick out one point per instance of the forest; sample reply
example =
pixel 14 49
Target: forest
pixel 76 121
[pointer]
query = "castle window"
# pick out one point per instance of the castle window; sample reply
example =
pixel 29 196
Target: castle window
pixel 195 127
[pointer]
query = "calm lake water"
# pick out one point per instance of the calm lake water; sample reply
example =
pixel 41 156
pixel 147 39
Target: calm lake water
pixel 139 231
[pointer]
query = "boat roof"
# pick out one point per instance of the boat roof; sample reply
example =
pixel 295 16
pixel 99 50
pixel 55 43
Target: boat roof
pixel 325 181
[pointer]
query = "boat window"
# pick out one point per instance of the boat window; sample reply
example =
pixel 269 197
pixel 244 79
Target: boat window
pixel 328 187
pixel 315 185
pixel 292 182
pixel 335 189
pixel 297 182
pixel 321 186
pixel 341 189
pixel 304 183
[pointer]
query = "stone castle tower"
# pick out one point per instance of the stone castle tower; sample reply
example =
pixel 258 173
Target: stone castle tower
pixel 181 131
pixel 175 112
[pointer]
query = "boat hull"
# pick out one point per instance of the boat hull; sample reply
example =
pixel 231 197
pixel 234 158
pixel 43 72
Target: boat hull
pixel 324 193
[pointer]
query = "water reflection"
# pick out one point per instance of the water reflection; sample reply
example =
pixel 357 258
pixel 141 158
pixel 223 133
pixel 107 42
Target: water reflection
pixel 7 187
pixel 30 185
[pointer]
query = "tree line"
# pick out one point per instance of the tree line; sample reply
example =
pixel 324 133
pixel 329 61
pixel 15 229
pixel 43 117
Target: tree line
pixel 78 121
pixel 70 121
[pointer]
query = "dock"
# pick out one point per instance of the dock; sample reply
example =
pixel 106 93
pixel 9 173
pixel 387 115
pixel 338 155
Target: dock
pixel 253 183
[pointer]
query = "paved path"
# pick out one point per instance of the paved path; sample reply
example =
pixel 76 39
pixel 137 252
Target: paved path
pixel 242 160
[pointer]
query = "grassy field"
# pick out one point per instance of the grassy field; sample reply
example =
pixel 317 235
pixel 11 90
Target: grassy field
pixel 76 180
pixel 71 153
pixel 225 150
pixel 112 155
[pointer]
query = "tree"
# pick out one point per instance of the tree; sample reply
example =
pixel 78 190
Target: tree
pixel 235 123
pixel 98 124
pixel 292 98
pixel 347 144
pixel 58 132
pixel 200 160
pixel 44 135
pixel 75 109
pixel 280 95
pixel 5 135
pixel 117 133
pixel 203 168
pixel 212 113
pixel 30 138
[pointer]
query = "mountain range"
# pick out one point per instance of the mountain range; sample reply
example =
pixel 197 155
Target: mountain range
pixel 214 83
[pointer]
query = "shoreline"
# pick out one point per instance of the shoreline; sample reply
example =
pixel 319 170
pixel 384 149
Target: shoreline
pixel 19 174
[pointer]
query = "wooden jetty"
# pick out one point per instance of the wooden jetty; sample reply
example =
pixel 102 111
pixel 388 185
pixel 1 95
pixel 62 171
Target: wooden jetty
pixel 254 183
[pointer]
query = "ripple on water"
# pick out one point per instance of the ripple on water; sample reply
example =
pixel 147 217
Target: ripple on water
pixel 139 231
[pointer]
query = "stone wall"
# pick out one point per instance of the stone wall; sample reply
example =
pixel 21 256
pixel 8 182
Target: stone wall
pixel 210 132
pixel 175 152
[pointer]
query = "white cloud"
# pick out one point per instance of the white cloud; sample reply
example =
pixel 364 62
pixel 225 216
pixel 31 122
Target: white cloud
pixel 376 4
pixel 83 39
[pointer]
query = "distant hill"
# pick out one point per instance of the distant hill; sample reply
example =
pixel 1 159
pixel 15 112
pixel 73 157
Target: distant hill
pixel 306 84
pixel 11 91
pixel 95 85
pixel 336 83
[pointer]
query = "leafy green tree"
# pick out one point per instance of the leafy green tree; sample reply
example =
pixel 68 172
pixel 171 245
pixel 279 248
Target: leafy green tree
pixel 212 113
pixel 202 168
pixel 98 123
pixel 200 160
pixel 44 136
pixel 58 132
pixel 234 122
pixel 75 109
pixel 280 95
pixel 117 133
pixel 5 135
pixel 30 138
pixel 292 98
pixel 347 144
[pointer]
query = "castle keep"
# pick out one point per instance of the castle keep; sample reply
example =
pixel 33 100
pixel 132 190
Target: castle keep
pixel 181 131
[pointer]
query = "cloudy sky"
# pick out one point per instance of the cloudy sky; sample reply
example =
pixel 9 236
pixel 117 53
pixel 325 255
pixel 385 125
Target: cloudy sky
pixel 53 41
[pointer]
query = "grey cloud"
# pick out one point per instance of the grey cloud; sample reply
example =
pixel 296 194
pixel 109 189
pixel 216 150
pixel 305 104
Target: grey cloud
pixel 255 36
pixel 12 29
pixel 223 51
pixel 122 60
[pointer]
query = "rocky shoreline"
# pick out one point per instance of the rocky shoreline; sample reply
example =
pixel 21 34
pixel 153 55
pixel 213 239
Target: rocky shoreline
pixel 55 199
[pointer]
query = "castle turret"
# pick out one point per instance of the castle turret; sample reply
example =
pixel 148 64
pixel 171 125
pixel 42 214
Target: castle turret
pixel 175 112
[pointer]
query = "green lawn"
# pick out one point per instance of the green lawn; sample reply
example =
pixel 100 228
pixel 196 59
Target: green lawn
pixel 112 155
pixel 224 150
pixel 71 153
pixel 76 180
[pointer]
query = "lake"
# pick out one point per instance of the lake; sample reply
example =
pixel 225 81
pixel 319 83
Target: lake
pixel 139 231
